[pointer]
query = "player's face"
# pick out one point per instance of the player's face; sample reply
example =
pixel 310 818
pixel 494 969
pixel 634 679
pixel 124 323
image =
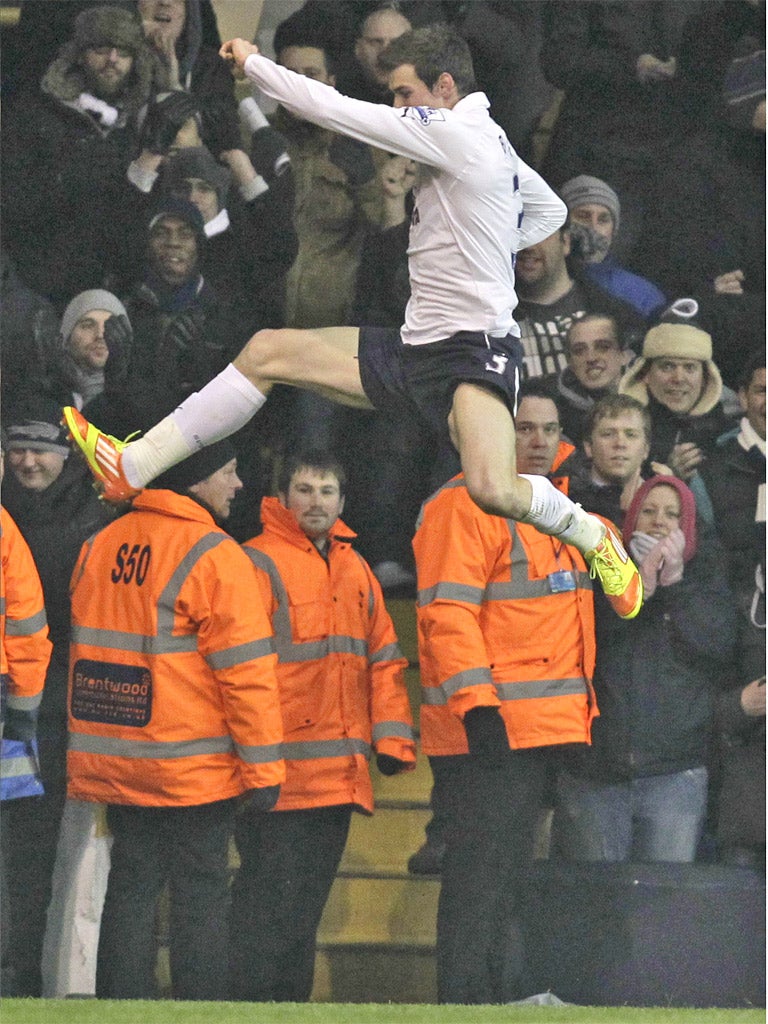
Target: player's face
pixel 537 434
pixel 408 90
pixel 35 470
pixel 86 342
pixel 618 447
pixel 752 399
pixel 659 514
pixel 594 354
pixel 676 383
pixel 173 250
pixel 315 499
pixel 219 489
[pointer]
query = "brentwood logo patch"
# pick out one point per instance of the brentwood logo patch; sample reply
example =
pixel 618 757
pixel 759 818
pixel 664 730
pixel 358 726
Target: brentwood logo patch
pixel 426 115
pixel 112 694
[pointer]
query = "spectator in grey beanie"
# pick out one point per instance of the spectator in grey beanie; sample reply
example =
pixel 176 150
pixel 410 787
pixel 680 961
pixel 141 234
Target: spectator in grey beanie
pixel 595 214
pixel 90 344
pixel 94 340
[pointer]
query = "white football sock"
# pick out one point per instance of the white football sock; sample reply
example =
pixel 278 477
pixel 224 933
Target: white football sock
pixel 554 513
pixel 220 408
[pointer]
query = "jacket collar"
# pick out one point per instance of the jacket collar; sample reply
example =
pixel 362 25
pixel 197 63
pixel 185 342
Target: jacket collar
pixel 172 504
pixel 276 518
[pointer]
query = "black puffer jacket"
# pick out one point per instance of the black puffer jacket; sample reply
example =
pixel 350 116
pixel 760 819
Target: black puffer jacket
pixel 657 677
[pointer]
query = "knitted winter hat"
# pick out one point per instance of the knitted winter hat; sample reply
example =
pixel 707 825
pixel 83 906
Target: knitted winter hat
pixel 687 511
pixel 585 189
pixel 172 206
pixel 86 302
pixel 108 26
pixel 196 468
pixel 34 423
pixel 197 162
pixel 676 341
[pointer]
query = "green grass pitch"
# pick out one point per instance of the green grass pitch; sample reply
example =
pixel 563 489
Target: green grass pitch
pixel 92 1011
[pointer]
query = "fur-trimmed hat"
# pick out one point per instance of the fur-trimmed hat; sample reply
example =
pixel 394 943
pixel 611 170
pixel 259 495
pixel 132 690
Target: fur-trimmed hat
pixel 585 189
pixel 196 468
pixel 675 341
pixel 197 162
pixel 108 26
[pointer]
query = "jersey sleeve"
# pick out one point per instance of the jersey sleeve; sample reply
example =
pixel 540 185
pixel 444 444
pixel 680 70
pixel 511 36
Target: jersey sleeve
pixel 543 210
pixel 419 133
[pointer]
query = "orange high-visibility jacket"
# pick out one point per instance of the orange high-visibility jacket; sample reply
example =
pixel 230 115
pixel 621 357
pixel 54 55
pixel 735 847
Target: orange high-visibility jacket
pixel 172 690
pixel 340 668
pixel 25 649
pixel 495 631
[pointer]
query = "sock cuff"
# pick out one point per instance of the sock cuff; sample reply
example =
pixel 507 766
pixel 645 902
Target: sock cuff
pixel 237 380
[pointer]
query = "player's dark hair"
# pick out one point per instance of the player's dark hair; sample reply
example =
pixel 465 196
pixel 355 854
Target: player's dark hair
pixel 432 50
pixel 310 458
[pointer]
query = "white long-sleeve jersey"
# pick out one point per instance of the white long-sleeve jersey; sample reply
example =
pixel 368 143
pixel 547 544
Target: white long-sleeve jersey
pixel 476 201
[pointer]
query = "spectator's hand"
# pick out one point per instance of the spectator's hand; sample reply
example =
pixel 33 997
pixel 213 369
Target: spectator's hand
pixel 389 765
pixel 236 52
pixel 486 736
pixel 647 553
pixel 20 725
pixel 650 69
pixel 257 801
pixel 753 698
pixel 397 176
pixel 685 459
pixel 162 38
pixel 118 337
pixel 672 558
pixel 729 283
pixel 164 119
pixel 185 332
pixel 396 179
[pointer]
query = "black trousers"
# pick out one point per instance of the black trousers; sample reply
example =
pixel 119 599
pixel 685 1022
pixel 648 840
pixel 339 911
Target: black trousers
pixel 29 831
pixel 189 848
pixel 489 817
pixel 289 860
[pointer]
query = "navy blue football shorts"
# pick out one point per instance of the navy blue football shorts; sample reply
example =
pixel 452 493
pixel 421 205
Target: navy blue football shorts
pixel 419 380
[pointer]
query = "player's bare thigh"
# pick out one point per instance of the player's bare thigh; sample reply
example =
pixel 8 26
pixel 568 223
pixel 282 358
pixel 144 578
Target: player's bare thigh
pixel 483 432
pixel 323 361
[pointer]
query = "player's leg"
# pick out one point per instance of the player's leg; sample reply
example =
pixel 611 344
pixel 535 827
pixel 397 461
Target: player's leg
pixel 483 431
pixel 324 361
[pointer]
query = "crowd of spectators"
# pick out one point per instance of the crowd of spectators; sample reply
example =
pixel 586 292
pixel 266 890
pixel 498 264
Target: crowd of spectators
pixel 154 219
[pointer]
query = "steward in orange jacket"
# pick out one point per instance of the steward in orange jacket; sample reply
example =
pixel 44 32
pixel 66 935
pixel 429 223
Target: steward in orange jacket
pixel 25 651
pixel 496 629
pixel 340 675
pixel 173 712
pixel 340 668
pixel 172 696
pixel 507 650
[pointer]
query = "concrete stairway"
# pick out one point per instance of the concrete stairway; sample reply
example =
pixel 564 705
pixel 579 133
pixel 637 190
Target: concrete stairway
pixel 377 937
